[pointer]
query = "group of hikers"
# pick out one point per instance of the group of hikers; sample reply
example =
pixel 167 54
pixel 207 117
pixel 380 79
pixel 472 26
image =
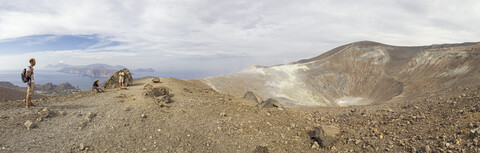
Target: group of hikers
pixel 29 78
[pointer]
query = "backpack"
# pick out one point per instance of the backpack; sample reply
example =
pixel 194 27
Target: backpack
pixel 24 78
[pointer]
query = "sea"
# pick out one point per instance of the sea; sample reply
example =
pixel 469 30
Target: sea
pixel 85 82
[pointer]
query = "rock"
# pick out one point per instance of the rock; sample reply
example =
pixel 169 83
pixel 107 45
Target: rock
pixel 144 116
pixel 475 132
pixel 127 109
pixel 165 99
pixel 270 103
pixel 252 97
pixel 89 116
pixel 82 147
pixel 158 91
pixel 44 113
pixel 148 87
pixel 156 80
pixel 62 113
pixel 325 135
pixel 261 149
pixel 112 82
pixel 427 149
pixel 29 124
pixel 315 145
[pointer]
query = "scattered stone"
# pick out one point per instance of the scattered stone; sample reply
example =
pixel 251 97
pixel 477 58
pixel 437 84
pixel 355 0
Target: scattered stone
pixel 315 145
pixel 270 103
pixel 82 147
pixel 62 113
pixel 156 80
pixel 187 90
pixel 44 113
pixel 144 116
pixel 261 149
pixel 83 125
pixel 29 124
pixel 127 109
pixel 252 97
pixel 89 116
pixel 427 149
pixel 325 135
pixel 165 99
pixel 475 132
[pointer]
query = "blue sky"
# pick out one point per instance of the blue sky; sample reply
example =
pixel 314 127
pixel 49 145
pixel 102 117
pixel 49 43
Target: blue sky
pixel 220 36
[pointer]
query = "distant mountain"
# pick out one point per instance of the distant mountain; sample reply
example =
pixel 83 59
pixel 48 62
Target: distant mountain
pixel 57 66
pixel 92 70
pixel 99 70
pixel 44 89
pixel 143 70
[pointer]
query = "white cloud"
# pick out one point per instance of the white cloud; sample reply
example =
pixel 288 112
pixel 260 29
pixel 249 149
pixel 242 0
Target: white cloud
pixel 182 32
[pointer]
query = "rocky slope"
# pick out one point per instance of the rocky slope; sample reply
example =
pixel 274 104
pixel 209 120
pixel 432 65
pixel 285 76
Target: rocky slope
pixel 360 73
pixel 199 119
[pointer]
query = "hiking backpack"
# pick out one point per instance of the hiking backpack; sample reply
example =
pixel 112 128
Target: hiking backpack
pixel 24 78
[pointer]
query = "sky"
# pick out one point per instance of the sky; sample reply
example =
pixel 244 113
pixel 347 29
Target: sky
pixel 218 36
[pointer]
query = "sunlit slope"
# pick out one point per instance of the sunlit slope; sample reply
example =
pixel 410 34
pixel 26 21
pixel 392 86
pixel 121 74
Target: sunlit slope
pixel 357 74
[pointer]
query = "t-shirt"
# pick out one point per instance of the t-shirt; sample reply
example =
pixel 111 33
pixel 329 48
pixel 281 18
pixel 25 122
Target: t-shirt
pixel 32 75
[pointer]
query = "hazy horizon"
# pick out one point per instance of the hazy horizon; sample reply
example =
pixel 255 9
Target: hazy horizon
pixel 218 36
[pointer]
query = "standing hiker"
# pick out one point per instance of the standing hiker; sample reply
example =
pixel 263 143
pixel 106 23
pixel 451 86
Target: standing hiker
pixel 96 87
pixel 30 83
pixel 121 78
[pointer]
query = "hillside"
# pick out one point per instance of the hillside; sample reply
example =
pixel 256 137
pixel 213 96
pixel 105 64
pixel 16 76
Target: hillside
pixel 360 73
pixel 199 119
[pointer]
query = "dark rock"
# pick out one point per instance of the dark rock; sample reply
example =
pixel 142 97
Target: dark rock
pixel 475 132
pixel 250 96
pixel 158 91
pixel 112 82
pixel 326 136
pixel 270 103
pixel 156 80
pixel 261 149
pixel 163 99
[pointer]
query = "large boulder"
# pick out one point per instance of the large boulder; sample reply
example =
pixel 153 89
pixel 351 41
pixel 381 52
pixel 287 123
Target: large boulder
pixel 271 103
pixel 252 97
pixel 112 82
pixel 326 136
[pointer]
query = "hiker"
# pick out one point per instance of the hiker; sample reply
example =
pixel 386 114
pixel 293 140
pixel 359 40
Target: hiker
pixel 96 87
pixel 121 78
pixel 30 83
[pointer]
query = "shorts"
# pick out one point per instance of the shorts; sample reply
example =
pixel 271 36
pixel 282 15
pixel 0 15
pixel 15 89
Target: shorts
pixel 30 88
pixel 121 79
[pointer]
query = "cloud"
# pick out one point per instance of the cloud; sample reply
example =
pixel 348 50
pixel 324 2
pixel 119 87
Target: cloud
pixel 190 33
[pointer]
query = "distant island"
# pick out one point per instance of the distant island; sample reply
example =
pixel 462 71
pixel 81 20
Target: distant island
pixel 93 70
